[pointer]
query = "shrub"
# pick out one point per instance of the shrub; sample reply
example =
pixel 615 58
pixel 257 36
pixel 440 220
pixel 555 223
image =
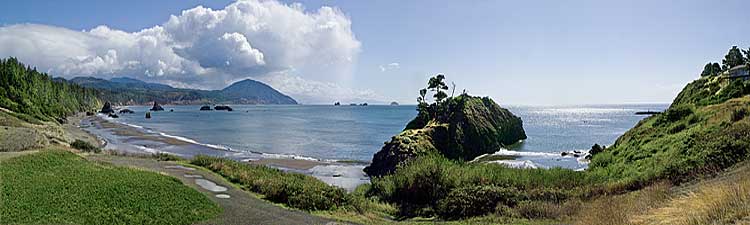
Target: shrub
pixel 433 184
pixel 538 210
pixel 476 201
pixel 673 114
pixel 295 190
pixel 85 146
pixel 738 114
pixel 166 157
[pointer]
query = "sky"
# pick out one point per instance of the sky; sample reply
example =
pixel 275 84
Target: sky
pixel 320 51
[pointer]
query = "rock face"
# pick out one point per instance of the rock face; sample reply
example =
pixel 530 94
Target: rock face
pixel 157 107
pixel 107 108
pixel 475 126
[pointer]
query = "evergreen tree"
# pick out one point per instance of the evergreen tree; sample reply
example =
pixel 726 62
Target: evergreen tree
pixel 711 69
pixel 733 58
pixel 34 95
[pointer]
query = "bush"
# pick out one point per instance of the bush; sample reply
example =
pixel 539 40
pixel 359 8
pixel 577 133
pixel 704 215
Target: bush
pixel 673 114
pixel 295 190
pixel 539 210
pixel 85 146
pixel 433 184
pixel 738 114
pixel 476 201
pixel 166 157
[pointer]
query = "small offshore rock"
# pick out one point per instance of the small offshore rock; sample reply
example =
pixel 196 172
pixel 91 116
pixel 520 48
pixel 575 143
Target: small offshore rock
pixel 223 107
pixel 107 108
pixel 157 107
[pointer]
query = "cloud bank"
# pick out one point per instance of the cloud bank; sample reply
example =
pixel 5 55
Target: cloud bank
pixel 306 54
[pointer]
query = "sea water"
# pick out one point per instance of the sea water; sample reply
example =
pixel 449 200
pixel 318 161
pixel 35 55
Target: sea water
pixel 357 132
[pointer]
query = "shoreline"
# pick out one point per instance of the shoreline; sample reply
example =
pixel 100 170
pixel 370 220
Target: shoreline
pixel 123 138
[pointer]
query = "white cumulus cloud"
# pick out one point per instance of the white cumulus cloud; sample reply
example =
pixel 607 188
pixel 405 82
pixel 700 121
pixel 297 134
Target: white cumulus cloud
pixel 285 44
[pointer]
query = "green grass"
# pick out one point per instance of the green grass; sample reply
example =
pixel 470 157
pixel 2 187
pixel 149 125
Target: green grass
pixel 291 189
pixel 59 187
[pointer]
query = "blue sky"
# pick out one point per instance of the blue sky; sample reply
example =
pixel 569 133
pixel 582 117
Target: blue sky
pixel 518 52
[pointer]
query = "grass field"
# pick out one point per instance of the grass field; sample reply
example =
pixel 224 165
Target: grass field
pixel 58 187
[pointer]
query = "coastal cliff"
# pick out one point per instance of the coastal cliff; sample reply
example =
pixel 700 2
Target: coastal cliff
pixel 471 127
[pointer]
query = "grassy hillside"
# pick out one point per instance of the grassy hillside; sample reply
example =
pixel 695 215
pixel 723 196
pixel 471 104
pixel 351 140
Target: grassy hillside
pixel 706 129
pixel 32 95
pixel 59 187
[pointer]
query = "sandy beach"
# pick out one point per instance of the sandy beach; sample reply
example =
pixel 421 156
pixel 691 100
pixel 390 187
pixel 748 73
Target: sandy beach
pixel 129 139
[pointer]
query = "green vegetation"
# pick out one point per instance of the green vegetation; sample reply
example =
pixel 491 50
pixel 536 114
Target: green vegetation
pixel 685 141
pixel 434 185
pixel 711 69
pixel 59 187
pixel 85 146
pixel 733 58
pixel 34 96
pixel 461 127
pixel 292 189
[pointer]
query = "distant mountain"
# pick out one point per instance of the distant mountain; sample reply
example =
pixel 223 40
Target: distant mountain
pixel 129 91
pixel 254 91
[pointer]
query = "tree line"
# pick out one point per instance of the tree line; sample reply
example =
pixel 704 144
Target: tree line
pixel 33 95
pixel 735 57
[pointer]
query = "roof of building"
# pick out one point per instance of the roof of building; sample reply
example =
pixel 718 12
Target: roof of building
pixel 738 67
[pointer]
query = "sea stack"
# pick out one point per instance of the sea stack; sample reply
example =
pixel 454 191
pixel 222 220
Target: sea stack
pixel 148 115
pixel 107 109
pixel 157 107
pixel 474 126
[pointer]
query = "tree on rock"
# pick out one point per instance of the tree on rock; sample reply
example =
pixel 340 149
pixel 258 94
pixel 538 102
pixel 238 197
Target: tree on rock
pixel 711 69
pixel 733 58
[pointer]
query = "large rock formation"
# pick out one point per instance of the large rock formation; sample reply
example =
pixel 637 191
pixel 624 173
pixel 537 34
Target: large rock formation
pixel 473 126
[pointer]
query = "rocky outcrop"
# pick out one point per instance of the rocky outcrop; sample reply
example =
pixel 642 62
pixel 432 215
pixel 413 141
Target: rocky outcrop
pixel 223 107
pixel 157 107
pixel 205 108
pixel 474 126
pixel 126 111
pixel 107 108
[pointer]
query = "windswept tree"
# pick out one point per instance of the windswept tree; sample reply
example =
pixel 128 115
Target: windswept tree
pixel 437 84
pixel 711 69
pixel 432 110
pixel 733 58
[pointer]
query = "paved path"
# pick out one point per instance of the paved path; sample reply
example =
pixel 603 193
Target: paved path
pixel 239 207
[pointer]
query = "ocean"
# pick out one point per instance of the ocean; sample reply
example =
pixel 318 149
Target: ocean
pixel 355 133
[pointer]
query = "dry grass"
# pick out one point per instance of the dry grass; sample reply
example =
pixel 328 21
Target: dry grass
pixel 618 209
pixel 716 203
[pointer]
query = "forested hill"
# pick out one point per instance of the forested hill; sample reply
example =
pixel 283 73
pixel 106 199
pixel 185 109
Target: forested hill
pixel 32 95
pixel 128 91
